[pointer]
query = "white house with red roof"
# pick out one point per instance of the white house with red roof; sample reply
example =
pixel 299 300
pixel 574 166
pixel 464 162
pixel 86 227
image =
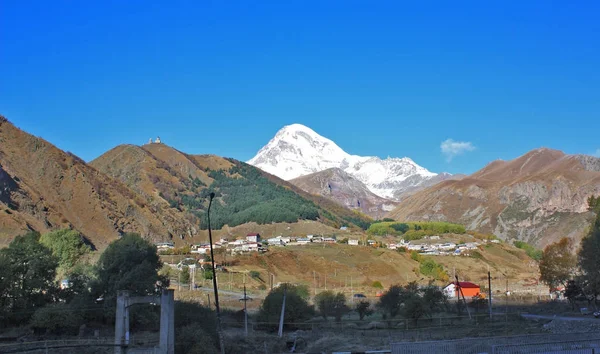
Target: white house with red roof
pixel 253 237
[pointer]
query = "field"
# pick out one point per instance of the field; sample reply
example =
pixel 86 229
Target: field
pixel 352 269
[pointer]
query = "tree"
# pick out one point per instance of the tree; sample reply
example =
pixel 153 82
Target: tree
pixel 411 301
pixel 478 302
pixel 331 304
pixel 589 259
pixel 572 291
pixel 184 276
pixel 391 301
pixel 414 307
pixel 401 228
pixel 434 298
pixel 558 263
pixel 297 309
pixel 67 245
pixel 27 272
pixel 130 263
pixel 363 308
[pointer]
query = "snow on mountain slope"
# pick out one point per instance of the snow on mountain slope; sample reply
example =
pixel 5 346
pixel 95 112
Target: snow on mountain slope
pixel 297 150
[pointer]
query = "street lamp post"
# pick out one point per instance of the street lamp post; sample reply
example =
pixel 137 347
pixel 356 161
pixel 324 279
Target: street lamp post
pixel 214 277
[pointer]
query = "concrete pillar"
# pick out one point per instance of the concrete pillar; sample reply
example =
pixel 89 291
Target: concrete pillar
pixel 167 321
pixel 121 318
pixel 171 347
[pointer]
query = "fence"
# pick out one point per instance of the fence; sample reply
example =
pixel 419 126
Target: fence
pixel 581 346
pixel 540 343
pixel 99 345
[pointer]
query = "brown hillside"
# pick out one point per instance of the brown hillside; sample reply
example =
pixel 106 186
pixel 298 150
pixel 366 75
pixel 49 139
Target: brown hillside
pixel 538 197
pixel 343 264
pixel 167 176
pixel 44 188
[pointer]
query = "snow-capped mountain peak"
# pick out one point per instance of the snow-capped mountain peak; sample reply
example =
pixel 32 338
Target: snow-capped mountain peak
pixel 296 150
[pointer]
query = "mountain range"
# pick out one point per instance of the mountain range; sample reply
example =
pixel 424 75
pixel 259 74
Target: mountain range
pixel 154 190
pixel 162 193
pixel 297 150
pixel 538 197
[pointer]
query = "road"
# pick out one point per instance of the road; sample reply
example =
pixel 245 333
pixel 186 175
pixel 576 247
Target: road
pixel 562 318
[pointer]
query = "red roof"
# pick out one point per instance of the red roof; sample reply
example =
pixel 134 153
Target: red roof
pixel 466 284
pixel 253 235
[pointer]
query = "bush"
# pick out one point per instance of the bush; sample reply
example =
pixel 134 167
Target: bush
pixel 377 284
pixel 531 251
pixel 56 319
pixel 193 339
pixel 331 304
pixel 415 256
pixel 411 301
pixel 255 274
pixel 363 308
pixel 430 268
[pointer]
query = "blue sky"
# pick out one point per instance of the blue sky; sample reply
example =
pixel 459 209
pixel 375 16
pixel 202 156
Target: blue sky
pixel 379 78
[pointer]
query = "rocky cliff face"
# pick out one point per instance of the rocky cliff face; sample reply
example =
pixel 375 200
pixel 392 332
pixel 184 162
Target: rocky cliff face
pixel 339 186
pixel 538 198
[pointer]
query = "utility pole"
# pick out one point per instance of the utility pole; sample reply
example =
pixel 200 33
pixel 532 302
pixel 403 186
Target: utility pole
pixel 463 295
pixel 315 282
pixel 325 281
pixel 245 312
pixel 212 260
pixel 490 293
pixel 193 278
pixel 281 318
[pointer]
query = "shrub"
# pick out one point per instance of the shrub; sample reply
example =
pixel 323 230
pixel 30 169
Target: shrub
pixel 531 251
pixel 56 319
pixel 363 308
pixel 377 284
pixel 429 267
pixel 331 304
pixel 255 274
pixel 193 339
pixel 415 256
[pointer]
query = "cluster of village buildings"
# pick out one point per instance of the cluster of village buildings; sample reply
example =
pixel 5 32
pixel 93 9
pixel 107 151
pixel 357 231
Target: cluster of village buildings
pixel 254 243
pixel 439 249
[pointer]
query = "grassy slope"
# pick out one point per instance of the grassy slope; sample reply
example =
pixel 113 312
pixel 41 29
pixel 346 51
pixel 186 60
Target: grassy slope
pixel 365 264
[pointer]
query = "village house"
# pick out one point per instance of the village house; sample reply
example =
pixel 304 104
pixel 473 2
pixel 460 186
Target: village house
pixel 353 242
pixel 278 241
pixel 329 240
pixel 415 247
pixel 162 246
pixel 393 246
pixel 285 239
pixel 200 248
pixel 255 237
pixel 302 241
pixel 468 289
